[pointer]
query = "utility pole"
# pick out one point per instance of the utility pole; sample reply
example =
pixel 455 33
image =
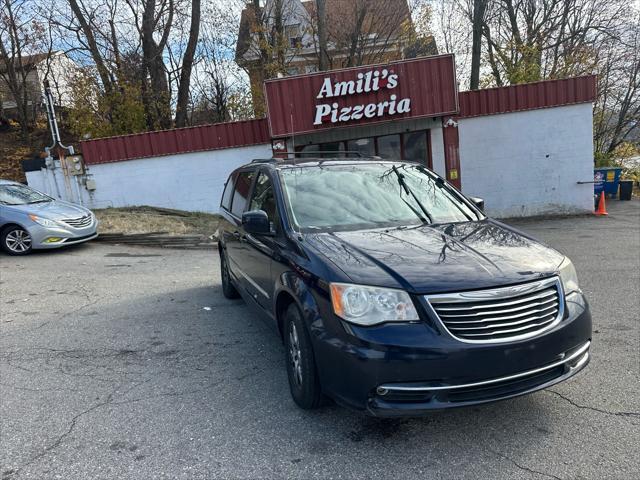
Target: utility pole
pixel 61 149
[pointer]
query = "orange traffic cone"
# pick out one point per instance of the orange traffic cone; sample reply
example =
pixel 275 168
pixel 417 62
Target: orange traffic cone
pixel 602 209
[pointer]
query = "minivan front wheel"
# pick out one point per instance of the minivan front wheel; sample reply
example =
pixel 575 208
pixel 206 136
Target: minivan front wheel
pixel 301 366
pixel 16 240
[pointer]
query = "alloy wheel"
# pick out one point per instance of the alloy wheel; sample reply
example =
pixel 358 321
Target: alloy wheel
pixel 18 241
pixel 295 354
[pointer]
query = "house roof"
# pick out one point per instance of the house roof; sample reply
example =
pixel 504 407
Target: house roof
pixel 28 61
pixel 383 17
pixel 247 19
pixel 380 16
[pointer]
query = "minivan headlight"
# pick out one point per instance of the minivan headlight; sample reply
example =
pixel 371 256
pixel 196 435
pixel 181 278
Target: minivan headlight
pixel 45 222
pixel 568 276
pixel 371 305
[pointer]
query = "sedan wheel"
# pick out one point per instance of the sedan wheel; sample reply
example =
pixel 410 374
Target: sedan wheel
pixel 16 241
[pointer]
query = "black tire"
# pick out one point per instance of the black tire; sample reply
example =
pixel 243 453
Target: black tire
pixel 16 240
pixel 301 365
pixel 228 289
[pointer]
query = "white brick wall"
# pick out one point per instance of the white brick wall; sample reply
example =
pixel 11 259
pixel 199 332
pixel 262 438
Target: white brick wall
pixel 190 181
pixel 522 164
pixel 528 163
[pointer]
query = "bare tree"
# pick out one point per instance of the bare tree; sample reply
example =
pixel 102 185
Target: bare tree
pixel 87 29
pixel 479 9
pixel 617 110
pixel 323 55
pixel 21 37
pixel 187 65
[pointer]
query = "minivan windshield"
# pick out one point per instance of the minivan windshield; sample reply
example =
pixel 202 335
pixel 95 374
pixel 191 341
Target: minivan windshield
pixel 334 197
pixel 16 194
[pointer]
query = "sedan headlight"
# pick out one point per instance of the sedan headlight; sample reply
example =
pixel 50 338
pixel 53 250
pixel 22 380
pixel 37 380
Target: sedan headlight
pixel 568 276
pixel 371 305
pixel 45 222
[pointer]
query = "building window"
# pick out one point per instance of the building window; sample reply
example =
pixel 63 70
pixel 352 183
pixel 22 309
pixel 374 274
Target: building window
pixel 412 146
pixel 416 147
pixel 293 34
pixel 293 71
pixel 389 147
pixel 333 149
pixel 365 146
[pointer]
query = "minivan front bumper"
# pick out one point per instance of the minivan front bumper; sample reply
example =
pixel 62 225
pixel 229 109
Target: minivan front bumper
pixel 397 399
pixel 411 369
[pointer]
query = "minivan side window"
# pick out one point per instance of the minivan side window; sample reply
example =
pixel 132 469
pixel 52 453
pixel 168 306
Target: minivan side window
pixel 228 191
pixel 241 193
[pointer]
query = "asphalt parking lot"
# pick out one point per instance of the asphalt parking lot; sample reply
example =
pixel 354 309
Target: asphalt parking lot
pixel 124 362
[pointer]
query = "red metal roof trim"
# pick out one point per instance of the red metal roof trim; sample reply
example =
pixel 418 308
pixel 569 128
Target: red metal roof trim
pixel 528 96
pixel 180 140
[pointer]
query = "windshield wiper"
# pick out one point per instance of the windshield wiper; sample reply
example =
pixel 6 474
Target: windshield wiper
pixel 408 191
pixel 38 201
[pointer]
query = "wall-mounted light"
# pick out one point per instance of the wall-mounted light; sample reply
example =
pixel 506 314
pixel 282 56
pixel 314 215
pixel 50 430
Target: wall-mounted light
pixel 451 123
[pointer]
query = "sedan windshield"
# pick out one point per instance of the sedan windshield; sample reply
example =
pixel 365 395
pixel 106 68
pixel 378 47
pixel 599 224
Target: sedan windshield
pixel 359 196
pixel 15 194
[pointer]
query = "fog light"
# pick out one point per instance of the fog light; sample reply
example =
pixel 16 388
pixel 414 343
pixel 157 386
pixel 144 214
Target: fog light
pixel 52 240
pixel 381 391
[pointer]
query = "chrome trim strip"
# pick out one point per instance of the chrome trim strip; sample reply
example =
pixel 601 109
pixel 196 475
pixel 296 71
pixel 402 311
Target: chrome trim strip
pixel 544 294
pixel 504 317
pixel 249 279
pixel 509 324
pixel 499 312
pixel 496 293
pixel 573 356
pixel 510 330
pixel 493 293
pixel 73 241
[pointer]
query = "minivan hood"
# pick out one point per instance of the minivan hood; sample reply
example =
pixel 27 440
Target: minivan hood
pixel 54 210
pixel 438 258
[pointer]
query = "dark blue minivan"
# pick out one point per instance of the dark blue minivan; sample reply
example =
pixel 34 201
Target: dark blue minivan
pixel 393 293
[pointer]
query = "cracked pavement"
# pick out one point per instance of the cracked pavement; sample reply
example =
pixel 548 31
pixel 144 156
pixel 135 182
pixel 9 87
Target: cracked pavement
pixel 110 367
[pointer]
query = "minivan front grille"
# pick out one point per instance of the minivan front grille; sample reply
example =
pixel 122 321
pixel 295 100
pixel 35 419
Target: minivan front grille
pixel 500 314
pixel 79 222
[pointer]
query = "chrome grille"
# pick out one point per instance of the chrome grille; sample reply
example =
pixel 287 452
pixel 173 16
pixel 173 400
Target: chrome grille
pixel 79 222
pixel 500 314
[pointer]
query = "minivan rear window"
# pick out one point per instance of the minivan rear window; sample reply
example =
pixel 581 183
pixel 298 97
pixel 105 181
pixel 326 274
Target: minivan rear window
pixel 241 193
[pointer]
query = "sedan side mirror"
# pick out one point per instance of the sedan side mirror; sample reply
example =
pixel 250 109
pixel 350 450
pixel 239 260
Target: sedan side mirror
pixel 256 222
pixel 478 202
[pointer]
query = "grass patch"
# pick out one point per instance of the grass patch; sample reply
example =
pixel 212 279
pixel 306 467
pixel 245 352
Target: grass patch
pixel 135 220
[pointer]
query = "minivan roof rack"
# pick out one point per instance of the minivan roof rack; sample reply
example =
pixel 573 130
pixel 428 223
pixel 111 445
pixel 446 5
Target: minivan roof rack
pixel 294 155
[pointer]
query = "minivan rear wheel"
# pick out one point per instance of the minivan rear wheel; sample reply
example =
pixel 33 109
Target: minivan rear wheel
pixel 228 290
pixel 301 365
pixel 16 240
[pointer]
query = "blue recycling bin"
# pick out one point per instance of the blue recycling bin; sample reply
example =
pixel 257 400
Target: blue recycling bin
pixel 606 180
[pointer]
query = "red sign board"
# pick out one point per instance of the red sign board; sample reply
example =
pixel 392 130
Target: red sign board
pixel 422 87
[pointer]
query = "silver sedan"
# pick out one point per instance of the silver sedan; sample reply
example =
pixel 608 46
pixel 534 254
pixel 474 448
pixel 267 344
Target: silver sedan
pixel 32 220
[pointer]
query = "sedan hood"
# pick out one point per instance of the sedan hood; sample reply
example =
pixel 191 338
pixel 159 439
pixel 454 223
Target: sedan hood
pixel 54 210
pixel 438 258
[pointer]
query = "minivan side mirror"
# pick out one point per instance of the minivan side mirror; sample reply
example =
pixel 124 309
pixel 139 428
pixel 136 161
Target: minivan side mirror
pixel 256 222
pixel 478 202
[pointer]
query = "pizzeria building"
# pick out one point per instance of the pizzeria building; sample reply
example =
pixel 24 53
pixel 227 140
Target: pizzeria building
pixel 525 149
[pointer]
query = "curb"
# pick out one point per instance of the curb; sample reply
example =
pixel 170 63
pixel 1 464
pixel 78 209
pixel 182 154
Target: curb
pixel 160 240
